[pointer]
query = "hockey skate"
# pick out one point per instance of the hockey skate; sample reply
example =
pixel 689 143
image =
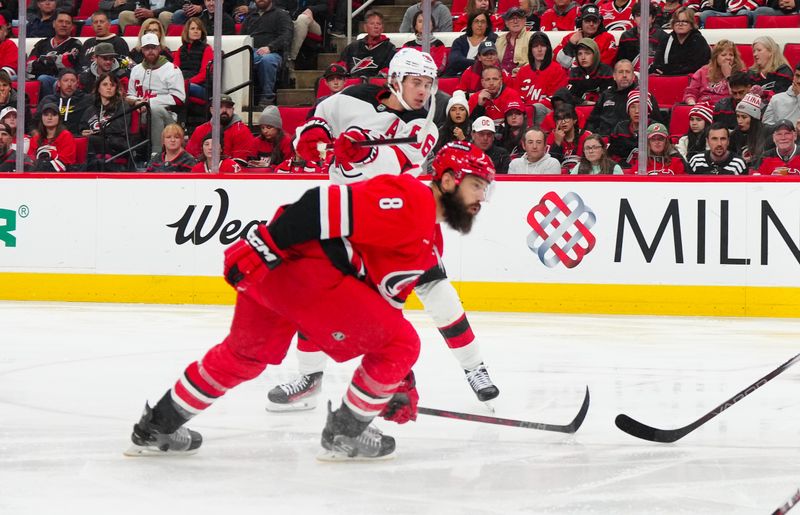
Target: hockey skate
pixel 480 382
pixel 346 438
pixel 298 395
pixel 148 440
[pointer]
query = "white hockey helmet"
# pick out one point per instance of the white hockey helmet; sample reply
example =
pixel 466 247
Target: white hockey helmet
pixel 410 61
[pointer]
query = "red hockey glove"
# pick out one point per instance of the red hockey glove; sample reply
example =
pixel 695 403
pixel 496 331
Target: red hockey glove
pixel 311 138
pixel 248 260
pixel 403 405
pixel 347 152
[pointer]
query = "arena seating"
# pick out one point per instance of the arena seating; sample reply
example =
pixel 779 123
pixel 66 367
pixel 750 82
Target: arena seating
pixel 727 22
pixel 679 120
pixel 292 118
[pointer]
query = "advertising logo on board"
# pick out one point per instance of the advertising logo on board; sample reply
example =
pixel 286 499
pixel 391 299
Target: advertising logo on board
pixel 561 229
pixel 8 224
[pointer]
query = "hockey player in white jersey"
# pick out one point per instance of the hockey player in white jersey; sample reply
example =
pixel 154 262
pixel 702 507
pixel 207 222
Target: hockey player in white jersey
pixel 366 112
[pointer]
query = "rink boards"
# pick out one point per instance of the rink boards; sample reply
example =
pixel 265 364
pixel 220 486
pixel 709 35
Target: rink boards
pixel 693 246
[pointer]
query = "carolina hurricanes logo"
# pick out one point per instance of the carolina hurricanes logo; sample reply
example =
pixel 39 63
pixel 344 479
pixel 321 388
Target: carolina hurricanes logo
pixel 395 284
pixel 362 64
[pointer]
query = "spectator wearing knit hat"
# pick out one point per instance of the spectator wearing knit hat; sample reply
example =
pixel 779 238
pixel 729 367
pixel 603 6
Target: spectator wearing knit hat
pixel 719 159
pixel 272 146
pixel 624 139
pixel 695 142
pixel 785 105
pixel 457 125
pixel 749 137
pixel 739 84
pixel 784 159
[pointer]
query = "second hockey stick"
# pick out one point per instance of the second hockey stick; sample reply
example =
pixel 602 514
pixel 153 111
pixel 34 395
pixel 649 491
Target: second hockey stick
pixel 541 426
pixel 645 432
pixel 788 505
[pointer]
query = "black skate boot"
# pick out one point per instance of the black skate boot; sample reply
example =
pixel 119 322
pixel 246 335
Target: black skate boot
pixel 149 440
pixel 300 394
pixel 478 378
pixel 346 438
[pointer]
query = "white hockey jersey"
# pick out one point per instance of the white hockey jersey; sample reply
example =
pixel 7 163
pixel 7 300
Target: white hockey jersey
pixel 360 107
pixel 163 85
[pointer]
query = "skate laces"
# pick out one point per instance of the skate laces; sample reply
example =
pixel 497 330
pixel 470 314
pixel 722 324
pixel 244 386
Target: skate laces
pixel 478 378
pixel 298 385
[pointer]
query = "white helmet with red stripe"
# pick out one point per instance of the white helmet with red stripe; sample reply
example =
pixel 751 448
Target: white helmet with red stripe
pixel 410 61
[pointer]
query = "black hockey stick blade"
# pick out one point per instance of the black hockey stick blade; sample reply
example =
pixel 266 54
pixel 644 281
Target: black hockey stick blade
pixel 541 426
pixel 645 432
pixel 380 142
pixel 789 504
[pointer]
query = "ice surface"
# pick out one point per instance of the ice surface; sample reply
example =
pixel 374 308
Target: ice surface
pixel 74 378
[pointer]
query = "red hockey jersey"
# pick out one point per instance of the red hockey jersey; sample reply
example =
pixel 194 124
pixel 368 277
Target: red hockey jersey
pixel 616 18
pixel 537 86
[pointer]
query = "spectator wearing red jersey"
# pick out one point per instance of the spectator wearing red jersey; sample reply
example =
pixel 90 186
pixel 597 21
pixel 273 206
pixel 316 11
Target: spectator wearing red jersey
pixel 8 50
pixel 53 146
pixel 784 159
pixel 662 158
pixel 237 135
pixel 561 16
pixel 541 78
pixel 495 96
pixel 590 25
pixel 226 164
pixel 438 49
pixel 628 46
pixel 487 56
pixel 473 8
pixel 272 146
pixel 617 14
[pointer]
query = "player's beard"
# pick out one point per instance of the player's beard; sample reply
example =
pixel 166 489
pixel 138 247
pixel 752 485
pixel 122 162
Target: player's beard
pixel 456 212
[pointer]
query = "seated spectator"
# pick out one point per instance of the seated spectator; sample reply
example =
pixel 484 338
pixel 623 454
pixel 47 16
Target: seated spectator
pixel 533 10
pixel 710 83
pixel 226 164
pixel 473 7
pixel 566 140
pixel 617 14
pixel 147 9
pixel 785 105
pixel 8 154
pixel 51 55
pixel 335 77
pixel 272 146
pixel 113 8
pixel 207 17
pixel 739 84
pixel 589 76
pixel 307 16
pixel 9 9
pixel 464 49
pixel 470 81
pixel 483 131
pixel 71 101
pixel 749 138
pixel 560 97
pixel 667 10
pixel 8 96
pixel 236 133
pixel 712 8
pixel 629 40
pixel 784 159
pixel 774 8
pixel 189 9
pixel 52 146
pixel 770 69
pixel 440 17
pixel 104 60
pixel 457 126
pixel 151 26
pixel 512 47
pixel 512 134
pixel 173 158
pixel 624 139
pixel 537 81
pixel 8 116
pixel 40 25
pixel 695 141
pixel 193 57
pixel 369 56
pixel 591 26
pixel 662 158
pixel 595 160
pixel 719 159
pixel 8 50
pixel 612 106
pixel 561 16
pixel 495 96
pixel 102 34
pixel 438 49
pixel 271 29
pixel 536 160
pixel 108 133
pixel 685 51
pixel 159 83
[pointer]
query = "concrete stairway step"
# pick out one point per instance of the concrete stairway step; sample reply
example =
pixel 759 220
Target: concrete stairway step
pixel 296 97
pixel 307 78
pixel 325 60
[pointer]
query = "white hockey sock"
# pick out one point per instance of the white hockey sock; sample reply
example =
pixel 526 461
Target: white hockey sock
pixel 311 362
pixel 468 356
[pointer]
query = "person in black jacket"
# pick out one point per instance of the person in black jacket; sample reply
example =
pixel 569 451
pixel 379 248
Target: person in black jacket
pixel 589 76
pixel 370 56
pixel 629 40
pixel 610 108
pixel 104 124
pixel 70 100
pixel 271 29
pixel 207 17
pixel 102 31
pixel 740 84
pixel 685 51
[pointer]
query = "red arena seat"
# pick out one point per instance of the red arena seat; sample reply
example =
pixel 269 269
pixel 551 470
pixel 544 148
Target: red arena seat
pixel 727 22
pixel 32 88
pixel 791 51
pixel 81 149
pixel 668 90
pixel 174 29
pixel 131 31
pixel 323 90
pixel 679 121
pixel 448 84
pixel 87 7
pixel 789 21
pixel 292 118
pixel 746 51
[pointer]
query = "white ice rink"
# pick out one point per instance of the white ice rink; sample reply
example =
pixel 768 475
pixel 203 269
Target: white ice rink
pixel 74 378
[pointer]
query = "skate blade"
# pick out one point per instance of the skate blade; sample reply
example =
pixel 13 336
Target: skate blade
pixel 301 405
pixel 331 456
pixel 489 406
pixel 138 451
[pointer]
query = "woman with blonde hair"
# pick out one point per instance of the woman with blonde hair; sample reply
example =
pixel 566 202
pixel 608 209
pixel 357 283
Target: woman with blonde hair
pixel 770 69
pixel 153 26
pixel 173 157
pixel 710 83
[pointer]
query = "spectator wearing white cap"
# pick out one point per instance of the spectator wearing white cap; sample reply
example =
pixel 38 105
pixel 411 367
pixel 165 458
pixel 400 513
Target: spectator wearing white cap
pixel 483 132
pixel 456 126
pixel 272 146
pixel 536 160
pixel 8 115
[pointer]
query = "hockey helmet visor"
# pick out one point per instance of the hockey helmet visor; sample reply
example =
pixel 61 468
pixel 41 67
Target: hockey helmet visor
pixel 462 158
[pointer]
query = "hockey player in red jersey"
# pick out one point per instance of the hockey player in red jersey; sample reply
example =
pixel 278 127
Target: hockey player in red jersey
pixel 337 266
pixel 389 112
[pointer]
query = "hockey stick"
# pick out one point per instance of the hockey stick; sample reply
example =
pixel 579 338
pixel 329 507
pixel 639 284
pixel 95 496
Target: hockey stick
pixel 541 426
pixel 645 432
pixel 788 505
pixel 378 142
